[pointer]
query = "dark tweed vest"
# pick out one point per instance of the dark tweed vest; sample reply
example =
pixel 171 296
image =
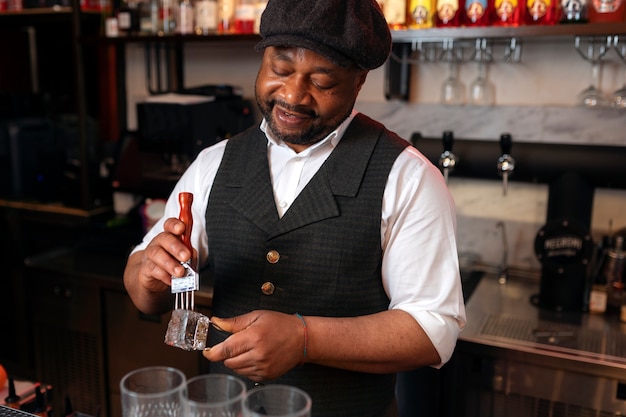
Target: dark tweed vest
pixel 329 247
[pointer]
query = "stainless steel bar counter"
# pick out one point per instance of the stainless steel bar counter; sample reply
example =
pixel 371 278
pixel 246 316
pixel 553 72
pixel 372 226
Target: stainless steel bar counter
pixel 515 358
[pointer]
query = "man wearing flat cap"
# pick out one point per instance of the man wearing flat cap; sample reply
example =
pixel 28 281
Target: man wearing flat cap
pixel 330 241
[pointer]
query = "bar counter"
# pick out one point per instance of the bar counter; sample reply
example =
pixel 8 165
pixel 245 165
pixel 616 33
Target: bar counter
pixel 515 358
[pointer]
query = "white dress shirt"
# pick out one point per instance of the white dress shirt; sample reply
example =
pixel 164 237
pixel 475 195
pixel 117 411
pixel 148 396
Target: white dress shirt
pixel 420 269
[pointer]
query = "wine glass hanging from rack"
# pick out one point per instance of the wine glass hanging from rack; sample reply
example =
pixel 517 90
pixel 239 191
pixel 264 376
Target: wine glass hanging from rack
pixel 593 50
pixel 436 50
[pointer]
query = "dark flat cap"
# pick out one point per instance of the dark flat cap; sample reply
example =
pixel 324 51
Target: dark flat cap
pixel 343 31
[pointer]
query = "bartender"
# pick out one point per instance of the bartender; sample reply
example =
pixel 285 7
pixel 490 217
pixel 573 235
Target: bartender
pixel 331 241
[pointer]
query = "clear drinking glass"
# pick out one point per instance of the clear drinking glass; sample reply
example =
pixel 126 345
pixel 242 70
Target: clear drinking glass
pixel 277 401
pixel 156 391
pixel 594 52
pixel 619 96
pixel 214 395
pixel 452 90
pixel 592 96
pixel 482 92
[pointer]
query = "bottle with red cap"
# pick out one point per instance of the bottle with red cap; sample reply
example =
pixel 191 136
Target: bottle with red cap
pixel 226 16
pixel 607 11
pixel 477 12
pixel 543 12
pixel 420 14
pixel 245 16
pixel 395 14
pixel 449 13
pixel 574 11
pixel 508 12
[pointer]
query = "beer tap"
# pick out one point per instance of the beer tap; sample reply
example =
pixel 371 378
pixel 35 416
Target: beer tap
pixel 506 163
pixel 447 160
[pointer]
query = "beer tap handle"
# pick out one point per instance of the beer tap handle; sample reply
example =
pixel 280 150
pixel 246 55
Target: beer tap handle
pixel 506 163
pixel 447 160
pixel 505 143
pixel 448 141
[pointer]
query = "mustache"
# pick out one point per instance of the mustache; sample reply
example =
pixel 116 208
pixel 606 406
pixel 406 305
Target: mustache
pixel 295 109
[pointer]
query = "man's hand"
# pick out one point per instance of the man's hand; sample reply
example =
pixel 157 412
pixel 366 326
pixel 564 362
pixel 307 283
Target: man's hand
pixel 148 273
pixel 263 346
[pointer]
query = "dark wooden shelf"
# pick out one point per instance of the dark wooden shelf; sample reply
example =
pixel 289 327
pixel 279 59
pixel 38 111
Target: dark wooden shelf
pixel 44 15
pixel 54 208
pixel 177 38
pixel 37 11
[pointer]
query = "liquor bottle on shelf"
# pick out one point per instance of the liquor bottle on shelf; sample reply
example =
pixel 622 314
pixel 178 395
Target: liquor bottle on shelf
pixel 543 12
pixel 168 9
pixel 148 16
pixel 420 14
pixel 449 13
pixel 205 17
pixel 226 16
pixel 597 283
pixel 395 14
pixel 574 11
pixel 607 11
pixel 508 12
pixel 477 12
pixel 128 17
pixel 245 13
pixel 598 295
pixel 259 9
pixel 185 18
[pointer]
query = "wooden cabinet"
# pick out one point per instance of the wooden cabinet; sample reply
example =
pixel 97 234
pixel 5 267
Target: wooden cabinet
pixel 67 339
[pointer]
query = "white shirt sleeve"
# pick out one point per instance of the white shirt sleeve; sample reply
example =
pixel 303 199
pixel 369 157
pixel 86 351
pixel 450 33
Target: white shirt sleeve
pixel 420 262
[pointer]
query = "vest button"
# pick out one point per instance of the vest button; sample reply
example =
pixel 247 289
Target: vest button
pixel 268 288
pixel 272 256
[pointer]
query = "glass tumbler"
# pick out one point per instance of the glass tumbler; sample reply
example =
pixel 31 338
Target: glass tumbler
pixel 155 391
pixel 214 395
pixel 277 401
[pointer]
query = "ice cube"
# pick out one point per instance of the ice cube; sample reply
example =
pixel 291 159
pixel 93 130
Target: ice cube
pixel 187 330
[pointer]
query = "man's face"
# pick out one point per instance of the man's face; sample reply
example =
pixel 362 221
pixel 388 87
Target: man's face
pixel 303 96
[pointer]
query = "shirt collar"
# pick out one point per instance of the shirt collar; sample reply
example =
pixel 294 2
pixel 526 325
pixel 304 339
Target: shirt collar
pixel 333 137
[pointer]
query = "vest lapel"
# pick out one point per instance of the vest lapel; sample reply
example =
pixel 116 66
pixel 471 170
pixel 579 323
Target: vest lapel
pixel 341 174
pixel 251 175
